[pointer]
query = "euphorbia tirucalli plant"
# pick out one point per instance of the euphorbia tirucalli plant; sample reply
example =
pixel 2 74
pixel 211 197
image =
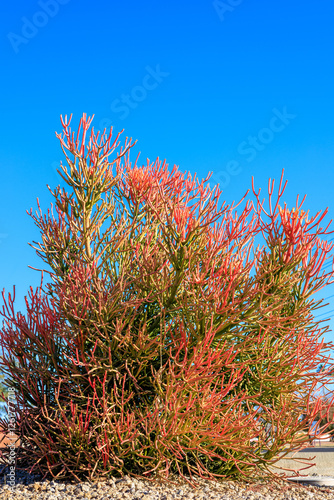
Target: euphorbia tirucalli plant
pixel 165 342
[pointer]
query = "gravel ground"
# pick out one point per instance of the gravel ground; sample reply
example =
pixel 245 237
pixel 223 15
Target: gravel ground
pixel 31 487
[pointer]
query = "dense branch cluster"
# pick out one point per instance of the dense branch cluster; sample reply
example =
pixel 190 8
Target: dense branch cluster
pixel 165 341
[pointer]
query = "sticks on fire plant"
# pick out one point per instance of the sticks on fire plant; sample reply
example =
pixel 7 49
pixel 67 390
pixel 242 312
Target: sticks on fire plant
pixel 166 342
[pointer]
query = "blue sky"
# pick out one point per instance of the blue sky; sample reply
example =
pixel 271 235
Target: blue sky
pixel 241 88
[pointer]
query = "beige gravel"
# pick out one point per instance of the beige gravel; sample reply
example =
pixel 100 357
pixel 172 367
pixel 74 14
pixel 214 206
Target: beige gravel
pixel 135 489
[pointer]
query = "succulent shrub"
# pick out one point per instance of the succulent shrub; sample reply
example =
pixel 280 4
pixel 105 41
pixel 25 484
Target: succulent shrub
pixel 165 341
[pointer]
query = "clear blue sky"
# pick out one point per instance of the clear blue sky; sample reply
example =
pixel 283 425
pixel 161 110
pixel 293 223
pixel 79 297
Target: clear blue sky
pixel 244 90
